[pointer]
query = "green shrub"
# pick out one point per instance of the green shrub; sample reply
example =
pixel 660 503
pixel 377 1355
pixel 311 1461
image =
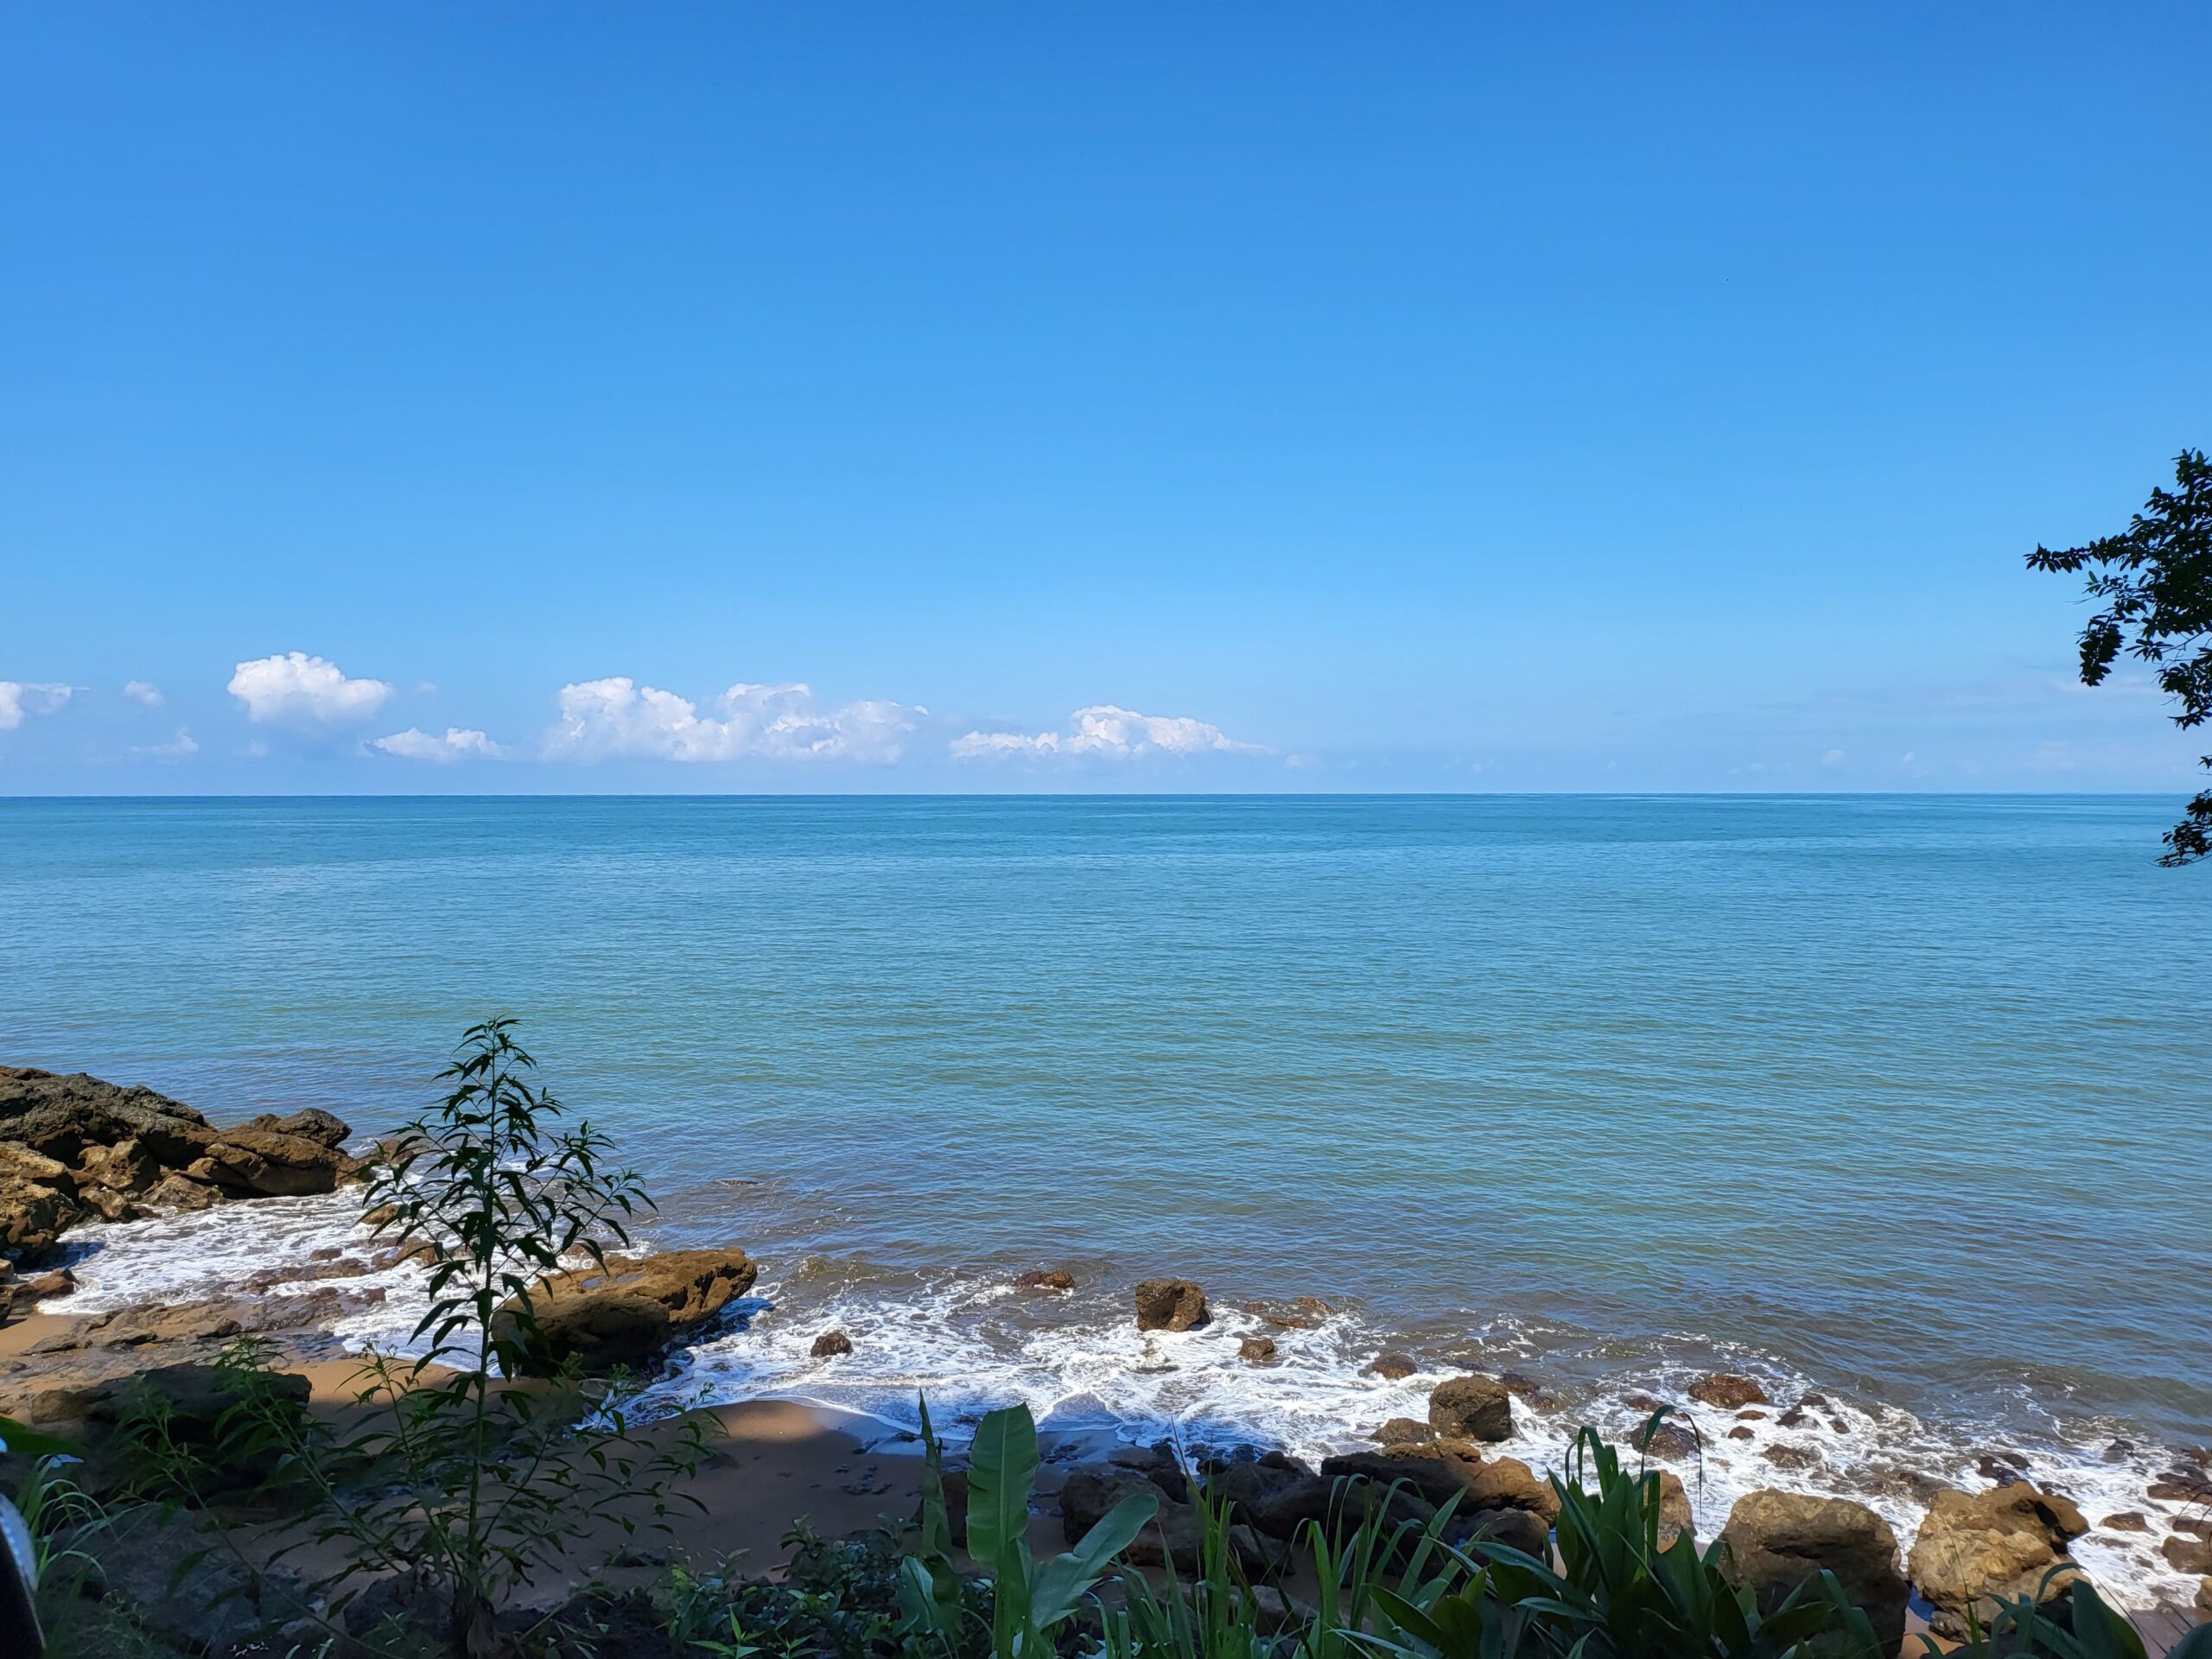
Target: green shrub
pixel 453 1481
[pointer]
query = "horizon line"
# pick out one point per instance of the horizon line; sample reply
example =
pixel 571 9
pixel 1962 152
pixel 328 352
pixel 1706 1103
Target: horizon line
pixel 1117 795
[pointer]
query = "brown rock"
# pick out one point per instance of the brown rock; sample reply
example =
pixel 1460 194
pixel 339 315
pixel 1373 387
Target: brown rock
pixel 1779 1542
pixel 1973 1549
pixel 1391 1368
pixel 178 1192
pixel 1674 1516
pixel 2126 1521
pixel 634 1309
pixel 1170 1305
pixel 1404 1431
pixel 1739 1432
pixel 1429 1468
pixel 1257 1351
pixel 1158 1463
pixel 2189 1556
pixel 1471 1408
pixel 107 1204
pixel 1424 1471
pixel 1508 1484
pixel 1441 1469
pixel 1361 1484
pixel 51 1396
pixel 1727 1389
pixel 1670 1439
pixel 1058 1279
pixel 2204 1594
pixel 55 1381
pixel 1304 1313
pixel 126 1167
pixel 135 1327
pixel 829 1344
pixel 21 1164
pixel 33 1217
pixel 195 1395
pixel 264 1163
pixel 1087 1496
pixel 1276 1500
pixel 311 1123
pixel 344 1266
pixel 60 1117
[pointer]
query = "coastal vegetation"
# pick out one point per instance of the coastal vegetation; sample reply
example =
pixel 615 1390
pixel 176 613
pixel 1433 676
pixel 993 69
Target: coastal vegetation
pixel 2154 583
pixel 470 1466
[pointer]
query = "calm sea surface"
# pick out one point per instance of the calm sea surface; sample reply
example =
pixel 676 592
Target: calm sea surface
pixel 1904 1096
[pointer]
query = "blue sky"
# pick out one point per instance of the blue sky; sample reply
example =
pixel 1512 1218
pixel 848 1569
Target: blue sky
pixel 1084 396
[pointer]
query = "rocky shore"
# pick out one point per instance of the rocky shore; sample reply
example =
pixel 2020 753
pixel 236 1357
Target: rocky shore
pixel 73 1148
pixel 78 1153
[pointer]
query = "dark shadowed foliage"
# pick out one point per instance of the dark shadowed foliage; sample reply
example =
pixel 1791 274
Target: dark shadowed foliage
pixel 2154 583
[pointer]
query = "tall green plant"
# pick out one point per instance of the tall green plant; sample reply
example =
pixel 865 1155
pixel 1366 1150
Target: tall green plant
pixel 1030 1601
pixel 472 1464
pixel 493 1194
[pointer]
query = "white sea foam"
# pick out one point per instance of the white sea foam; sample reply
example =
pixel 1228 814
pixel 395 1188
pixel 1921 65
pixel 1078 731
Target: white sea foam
pixel 969 1344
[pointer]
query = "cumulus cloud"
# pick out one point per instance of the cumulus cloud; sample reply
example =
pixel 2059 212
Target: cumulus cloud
pixel 21 699
pixel 177 748
pixel 458 744
pixel 143 691
pixel 1105 730
pixel 605 719
pixel 293 689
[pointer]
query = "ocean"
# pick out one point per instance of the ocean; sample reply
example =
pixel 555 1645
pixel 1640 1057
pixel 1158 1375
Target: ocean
pixel 1899 1099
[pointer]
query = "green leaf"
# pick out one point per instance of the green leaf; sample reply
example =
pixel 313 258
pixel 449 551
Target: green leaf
pixel 1064 1581
pixel 2098 1629
pixel 1002 1469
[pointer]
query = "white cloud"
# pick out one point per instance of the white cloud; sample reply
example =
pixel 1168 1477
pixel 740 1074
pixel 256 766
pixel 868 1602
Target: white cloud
pixel 177 748
pixel 21 699
pixel 1832 758
pixel 458 744
pixel 1104 729
pixel 144 692
pixel 603 719
pixel 293 688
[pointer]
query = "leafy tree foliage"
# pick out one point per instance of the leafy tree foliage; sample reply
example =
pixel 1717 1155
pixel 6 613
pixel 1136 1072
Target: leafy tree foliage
pixel 2154 583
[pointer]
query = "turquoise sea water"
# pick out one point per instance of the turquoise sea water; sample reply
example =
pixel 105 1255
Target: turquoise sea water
pixel 1904 1097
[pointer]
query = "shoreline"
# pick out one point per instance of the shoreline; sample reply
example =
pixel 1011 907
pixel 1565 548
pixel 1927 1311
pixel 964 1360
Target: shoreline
pixel 866 1395
pixel 169 1253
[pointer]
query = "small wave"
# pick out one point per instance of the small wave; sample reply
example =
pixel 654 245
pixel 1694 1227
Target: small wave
pixel 970 1343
